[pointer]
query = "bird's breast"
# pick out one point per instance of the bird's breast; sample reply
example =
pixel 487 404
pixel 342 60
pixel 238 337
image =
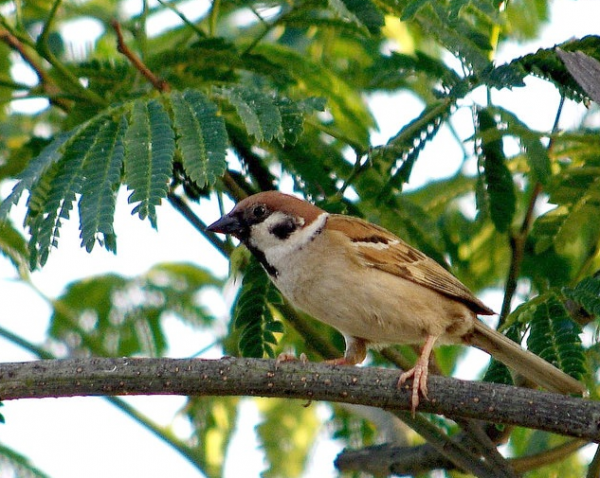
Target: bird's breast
pixel 330 284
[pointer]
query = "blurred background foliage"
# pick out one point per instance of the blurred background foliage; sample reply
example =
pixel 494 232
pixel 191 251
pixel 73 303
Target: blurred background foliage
pixel 243 96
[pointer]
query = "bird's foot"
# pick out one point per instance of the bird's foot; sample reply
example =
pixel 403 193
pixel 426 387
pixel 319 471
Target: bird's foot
pixel 419 375
pixel 285 357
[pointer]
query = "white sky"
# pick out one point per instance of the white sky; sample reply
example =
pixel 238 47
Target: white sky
pixel 69 438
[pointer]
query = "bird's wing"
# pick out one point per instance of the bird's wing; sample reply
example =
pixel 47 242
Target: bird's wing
pixel 381 249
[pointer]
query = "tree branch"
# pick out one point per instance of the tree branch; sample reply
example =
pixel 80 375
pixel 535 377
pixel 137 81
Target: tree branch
pixel 387 459
pixel 311 381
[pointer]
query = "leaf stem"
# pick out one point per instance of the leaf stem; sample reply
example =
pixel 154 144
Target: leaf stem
pixel 213 17
pixel 158 83
pixel 184 19
pixel 43 49
pixel 44 79
pixel 180 205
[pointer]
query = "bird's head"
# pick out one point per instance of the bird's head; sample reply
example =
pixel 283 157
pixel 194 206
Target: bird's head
pixel 267 219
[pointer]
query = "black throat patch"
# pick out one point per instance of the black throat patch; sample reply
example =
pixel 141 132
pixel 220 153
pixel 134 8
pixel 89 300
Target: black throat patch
pixel 260 257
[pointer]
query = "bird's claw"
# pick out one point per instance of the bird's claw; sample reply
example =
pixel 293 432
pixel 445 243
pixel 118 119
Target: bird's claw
pixel 419 375
pixel 287 357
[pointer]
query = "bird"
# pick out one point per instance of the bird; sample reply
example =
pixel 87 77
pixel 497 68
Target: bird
pixel 373 287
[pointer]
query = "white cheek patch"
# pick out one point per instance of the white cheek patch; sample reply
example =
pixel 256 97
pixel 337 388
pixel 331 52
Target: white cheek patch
pixel 277 250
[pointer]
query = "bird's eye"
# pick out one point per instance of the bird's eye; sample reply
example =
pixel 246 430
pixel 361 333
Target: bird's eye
pixel 259 211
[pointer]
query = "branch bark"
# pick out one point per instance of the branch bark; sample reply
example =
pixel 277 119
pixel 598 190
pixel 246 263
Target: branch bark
pixel 387 459
pixel 371 386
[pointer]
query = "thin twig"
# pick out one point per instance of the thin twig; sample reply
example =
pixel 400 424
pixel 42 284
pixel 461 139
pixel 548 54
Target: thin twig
pixel 180 205
pixel 461 456
pixel 357 169
pixel 71 83
pixel 158 83
pixel 45 81
pixel 547 457
pixel 476 431
pixel 183 18
pixel 518 240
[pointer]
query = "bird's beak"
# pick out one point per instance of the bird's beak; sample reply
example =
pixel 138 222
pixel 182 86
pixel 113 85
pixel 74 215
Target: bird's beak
pixel 226 225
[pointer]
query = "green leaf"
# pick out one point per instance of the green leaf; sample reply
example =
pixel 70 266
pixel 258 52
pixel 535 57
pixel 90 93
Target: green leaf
pixel 202 137
pixel 149 150
pixel 102 172
pixel 178 285
pixel 213 422
pixel 554 336
pixel 252 313
pixel 35 170
pixel 362 12
pixel 51 199
pixel 111 315
pixel 571 227
pixel 586 294
pixel 391 72
pixel 258 111
pixel 499 190
pixel 436 197
pixel 14 247
pixel 346 105
pixel 457 35
pixel 546 64
pixel 536 153
pixel 411 9
pixel 397 158
pixel 286 425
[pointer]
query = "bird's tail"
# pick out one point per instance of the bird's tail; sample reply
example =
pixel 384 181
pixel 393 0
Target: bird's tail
pixel 522 361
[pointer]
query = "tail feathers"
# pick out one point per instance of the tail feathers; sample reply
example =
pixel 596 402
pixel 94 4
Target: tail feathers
pixel 522 361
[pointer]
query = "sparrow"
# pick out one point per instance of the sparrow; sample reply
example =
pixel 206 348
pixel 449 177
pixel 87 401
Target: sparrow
pixel 372 287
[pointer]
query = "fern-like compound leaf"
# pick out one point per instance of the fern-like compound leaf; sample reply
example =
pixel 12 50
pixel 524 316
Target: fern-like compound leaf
pixel 102 174
pixel 202 137
pixel 586 294
pixel 258 112
pixel 554 336
pixel 498 188
pixel 252 313
pixel 149 150
pixel 35 170
pixel 52 198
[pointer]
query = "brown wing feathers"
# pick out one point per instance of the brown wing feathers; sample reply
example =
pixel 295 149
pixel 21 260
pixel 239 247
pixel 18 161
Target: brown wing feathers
pixel 381 249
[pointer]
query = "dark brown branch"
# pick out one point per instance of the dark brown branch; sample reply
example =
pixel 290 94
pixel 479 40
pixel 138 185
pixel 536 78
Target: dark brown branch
pixel 461 451
pixel 312 381
pixel 158 83
pixel 386 459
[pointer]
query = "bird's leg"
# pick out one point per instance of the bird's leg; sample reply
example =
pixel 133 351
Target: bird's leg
pixel 419 373
pixel 356 352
